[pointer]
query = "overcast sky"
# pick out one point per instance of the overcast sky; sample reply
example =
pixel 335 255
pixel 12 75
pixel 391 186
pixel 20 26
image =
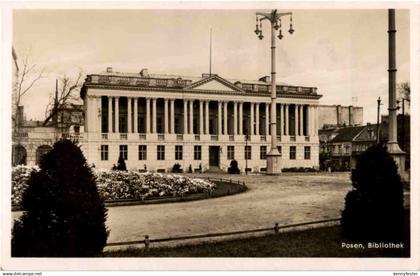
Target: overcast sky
pixel 342 52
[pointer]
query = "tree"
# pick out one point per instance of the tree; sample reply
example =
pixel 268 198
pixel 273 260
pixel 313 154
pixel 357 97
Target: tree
pixel 404 90
pixel 233 169
pixel 63 213
pixel 27 74
pixel 121 164
pixel 374 209
pixel 64 95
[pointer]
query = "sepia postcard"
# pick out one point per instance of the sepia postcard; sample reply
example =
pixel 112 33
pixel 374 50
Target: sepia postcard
pixel 210 136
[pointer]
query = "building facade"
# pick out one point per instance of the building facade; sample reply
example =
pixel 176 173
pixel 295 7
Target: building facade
pixel 339 116
pixel 156 121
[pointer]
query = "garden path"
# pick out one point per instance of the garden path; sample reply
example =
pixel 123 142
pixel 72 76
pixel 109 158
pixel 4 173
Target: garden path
pixel 289 198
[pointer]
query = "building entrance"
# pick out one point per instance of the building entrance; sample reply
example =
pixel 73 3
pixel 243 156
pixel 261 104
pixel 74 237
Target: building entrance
pixel 214 156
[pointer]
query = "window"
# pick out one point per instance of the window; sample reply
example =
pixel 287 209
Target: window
pixel 230 152
pixel 307 153
pixel 263 152
pixel 197 152
pixel 178 153
pixel 142 152
pixel 104 152
pixel 124 151
pixel 248 152
pixel 160 152
pixel 292 154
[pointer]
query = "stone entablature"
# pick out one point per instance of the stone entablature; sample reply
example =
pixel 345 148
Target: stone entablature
pixel 177 84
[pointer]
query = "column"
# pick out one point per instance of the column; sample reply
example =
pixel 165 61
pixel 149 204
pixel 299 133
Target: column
pixel 201 118
pixel 281 119
pixel 300 119
pixel 154 115
pixel 185 117
pixel 191 117
pixel 166 116
pixel 257 118
pixel 219 118
pixel 117 115
pixel 147 115
pixel 225 118
pixel 110 114
pixel 286 120
pixel 129 115
pixel 241 118
pixel 136 115
pixel 235 118
pixel 316 120
pixel 267 119
pixel 207 117
pixel 251 119
pixel 172 116
pixel 308 125
pixel 97 113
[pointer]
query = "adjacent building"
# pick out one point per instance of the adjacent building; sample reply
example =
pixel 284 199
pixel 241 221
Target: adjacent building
pixel 159 120
pixel 332 116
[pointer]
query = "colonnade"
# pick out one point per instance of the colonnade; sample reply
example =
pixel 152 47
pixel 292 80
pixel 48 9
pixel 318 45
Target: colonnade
pixel 256 115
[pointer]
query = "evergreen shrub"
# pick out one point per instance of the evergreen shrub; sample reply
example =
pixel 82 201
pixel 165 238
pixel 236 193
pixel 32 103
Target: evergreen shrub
pixel 64 215
pixel 374 209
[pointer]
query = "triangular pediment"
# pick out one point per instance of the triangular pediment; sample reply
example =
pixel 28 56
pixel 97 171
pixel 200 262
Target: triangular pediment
pixel 215 83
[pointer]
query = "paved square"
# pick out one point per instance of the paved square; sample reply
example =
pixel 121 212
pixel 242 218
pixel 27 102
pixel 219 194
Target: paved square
pixel 289 198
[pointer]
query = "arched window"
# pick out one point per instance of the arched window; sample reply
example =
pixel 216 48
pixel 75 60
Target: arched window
pixel 18 155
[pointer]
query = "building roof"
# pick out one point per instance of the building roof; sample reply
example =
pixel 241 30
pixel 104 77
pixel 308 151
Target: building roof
pixel 178 83
pixel 347 134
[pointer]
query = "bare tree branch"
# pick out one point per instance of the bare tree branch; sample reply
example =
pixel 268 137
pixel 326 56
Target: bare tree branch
pixel 65 96
pixel 25 79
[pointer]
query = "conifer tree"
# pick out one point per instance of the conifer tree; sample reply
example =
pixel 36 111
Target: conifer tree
pixel 63 213
pixel 374 209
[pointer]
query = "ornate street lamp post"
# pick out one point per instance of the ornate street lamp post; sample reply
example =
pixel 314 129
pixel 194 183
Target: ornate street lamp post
pixel 273 157
pixel 392 145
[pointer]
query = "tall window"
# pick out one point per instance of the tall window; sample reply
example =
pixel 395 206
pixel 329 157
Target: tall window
pixel 292 154
pixel 124 151
pixel 248 152
pixel 142 152
pixel 230 152
pixel 263 152
pixel 160 152
pixel 104 152
pixel 178 152
pixel 197 152
pixel 307 152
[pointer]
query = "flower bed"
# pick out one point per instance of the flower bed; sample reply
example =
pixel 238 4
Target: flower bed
pixel 117 185
pixel 125 185
pixel 20 177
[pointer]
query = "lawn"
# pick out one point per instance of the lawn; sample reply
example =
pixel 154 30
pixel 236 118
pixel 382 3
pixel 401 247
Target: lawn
pixel 316 242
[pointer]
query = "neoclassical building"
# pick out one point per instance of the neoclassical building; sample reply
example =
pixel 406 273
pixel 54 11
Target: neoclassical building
pixel 159 120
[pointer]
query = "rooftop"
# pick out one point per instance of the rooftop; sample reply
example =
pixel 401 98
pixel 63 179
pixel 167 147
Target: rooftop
pixel 347 134
pixel 143 80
